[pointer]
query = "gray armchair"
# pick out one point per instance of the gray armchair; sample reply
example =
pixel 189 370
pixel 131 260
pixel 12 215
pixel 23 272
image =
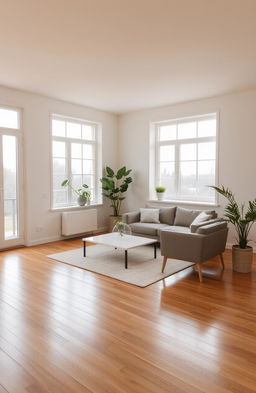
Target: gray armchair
pixel 207 242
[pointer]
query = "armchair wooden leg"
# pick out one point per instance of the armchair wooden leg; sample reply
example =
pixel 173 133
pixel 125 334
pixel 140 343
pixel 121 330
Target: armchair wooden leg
pixel 199 272
pixel 222 261
pixel 164 263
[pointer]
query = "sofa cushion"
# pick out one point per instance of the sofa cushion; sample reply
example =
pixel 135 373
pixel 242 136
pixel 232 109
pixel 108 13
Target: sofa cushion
pixel 176 229
pixel 184 217
pixel 149 215
pixel 130 217
pixel 146 228
pixel 166 214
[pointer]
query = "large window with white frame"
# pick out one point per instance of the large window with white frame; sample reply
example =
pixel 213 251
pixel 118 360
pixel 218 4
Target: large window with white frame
pixel 185 158
pixel 76 155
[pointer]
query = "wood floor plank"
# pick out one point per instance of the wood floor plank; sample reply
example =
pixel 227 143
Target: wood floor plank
pixel 66 330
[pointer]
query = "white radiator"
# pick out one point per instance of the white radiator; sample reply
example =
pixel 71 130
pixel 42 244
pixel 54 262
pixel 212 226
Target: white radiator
pixel 79 222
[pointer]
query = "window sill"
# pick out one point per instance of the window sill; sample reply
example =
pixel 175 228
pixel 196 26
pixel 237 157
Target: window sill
pixel 71 208
pixel 184 202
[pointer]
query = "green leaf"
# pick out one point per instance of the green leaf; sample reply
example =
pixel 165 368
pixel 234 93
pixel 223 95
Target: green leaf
pixel 109 172
pixel 121 198
pixel 65 183
pixel 128 172
pixel 128 180
pixel 85 186
pixel 121 173
pixel 108 184
pixel 115 190
pixel 124 187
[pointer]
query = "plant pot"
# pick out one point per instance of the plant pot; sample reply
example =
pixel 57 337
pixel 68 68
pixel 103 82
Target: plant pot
pixel 81 201
pixel 160 196
pixel 112 222
pixel 242 259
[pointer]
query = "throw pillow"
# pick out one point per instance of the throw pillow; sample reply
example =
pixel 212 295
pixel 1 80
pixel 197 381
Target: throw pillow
pixel 184 217
pixel 149 215
pixel 201 218
pixel 166 214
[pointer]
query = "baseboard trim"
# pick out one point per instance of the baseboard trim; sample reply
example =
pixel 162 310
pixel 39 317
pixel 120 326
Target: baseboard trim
pixel 51 239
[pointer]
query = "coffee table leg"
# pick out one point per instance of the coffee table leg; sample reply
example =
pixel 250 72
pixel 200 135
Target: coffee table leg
pixel 155 250
pixel 84 249
pixel 126 259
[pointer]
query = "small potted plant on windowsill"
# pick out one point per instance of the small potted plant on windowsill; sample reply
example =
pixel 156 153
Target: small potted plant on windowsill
pixel 242 254
pixel 83 194
pixel 160 190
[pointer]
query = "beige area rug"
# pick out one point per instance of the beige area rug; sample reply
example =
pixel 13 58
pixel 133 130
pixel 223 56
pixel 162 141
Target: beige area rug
pixel 142 271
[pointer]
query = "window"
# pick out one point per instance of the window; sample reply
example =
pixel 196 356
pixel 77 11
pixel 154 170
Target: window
pixel 9 118
pixel 10 176
pixel 185 158
pixel 76 156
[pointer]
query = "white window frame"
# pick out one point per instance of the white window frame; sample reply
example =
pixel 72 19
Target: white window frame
pixel 97 148
pixel 18 133
pixel 154 169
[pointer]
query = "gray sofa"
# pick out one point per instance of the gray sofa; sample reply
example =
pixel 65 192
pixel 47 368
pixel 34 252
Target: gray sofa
pixel 182 239
pixel 173 219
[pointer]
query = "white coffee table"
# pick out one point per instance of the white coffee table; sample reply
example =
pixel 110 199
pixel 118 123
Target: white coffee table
pixel 125 242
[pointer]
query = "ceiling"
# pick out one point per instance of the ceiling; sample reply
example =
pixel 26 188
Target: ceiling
pixel 125 55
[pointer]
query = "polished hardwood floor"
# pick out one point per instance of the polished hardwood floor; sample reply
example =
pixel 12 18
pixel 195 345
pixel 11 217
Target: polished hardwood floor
pixel 66 330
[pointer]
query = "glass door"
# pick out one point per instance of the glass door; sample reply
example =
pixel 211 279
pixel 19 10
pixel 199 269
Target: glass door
pixel 11 228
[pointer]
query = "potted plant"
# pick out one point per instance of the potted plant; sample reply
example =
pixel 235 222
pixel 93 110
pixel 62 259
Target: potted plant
pixel 242 220
pixel 114 185
pixel 83 194
pixel 160 190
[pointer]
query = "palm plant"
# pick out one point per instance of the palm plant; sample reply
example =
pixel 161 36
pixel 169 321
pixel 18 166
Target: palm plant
pixel 237 216
pixel 115 185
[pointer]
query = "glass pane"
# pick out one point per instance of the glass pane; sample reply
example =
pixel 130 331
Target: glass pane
pixel 77 181
pixel 76 150
pixel 87 132
pixel 206 128
pixel 167 133
pixel 87 151
pixel 76 167
pixel 206 173
pixel 10 182
pixel 58 128
pixel 206 150
pixel 167 177
pixel 92 194
pixel 188 152
pixel 60 197
pixel 58 149
pixel 187 130
pixel 88 166
pixel 167 153
pixel 73 130
pixel 88 179
pixel 9 118
pixel 57 180
pixel 188 178
pixel 59 166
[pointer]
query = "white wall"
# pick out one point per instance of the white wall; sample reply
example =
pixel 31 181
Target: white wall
pixel 237 143
pixel 36 131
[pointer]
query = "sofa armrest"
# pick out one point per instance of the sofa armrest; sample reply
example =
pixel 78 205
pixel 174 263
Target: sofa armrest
pixel 131 217
pixel 193 247
pixel 211 228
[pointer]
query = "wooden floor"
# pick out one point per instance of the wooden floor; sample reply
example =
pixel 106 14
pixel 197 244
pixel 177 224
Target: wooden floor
pixel 66 330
